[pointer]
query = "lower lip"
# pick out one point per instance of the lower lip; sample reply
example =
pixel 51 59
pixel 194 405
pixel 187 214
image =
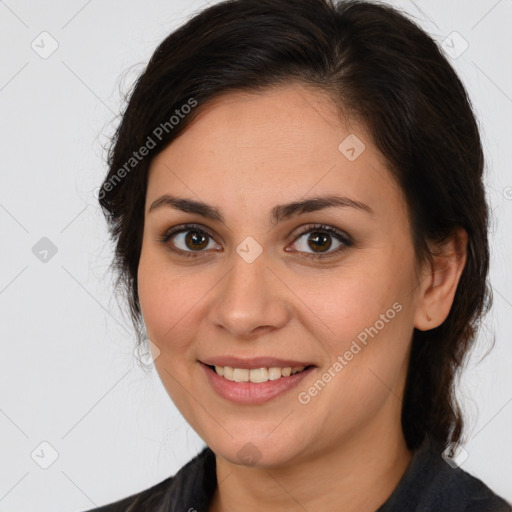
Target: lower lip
pixel 251 392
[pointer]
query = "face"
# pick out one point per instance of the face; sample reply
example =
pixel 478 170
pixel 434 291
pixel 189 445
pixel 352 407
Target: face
pixel 238 282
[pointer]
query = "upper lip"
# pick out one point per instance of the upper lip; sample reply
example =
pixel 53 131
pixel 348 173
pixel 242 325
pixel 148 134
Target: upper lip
pixel 253 362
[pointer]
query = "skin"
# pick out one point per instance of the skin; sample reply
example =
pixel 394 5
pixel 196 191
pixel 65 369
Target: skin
pixel 245 154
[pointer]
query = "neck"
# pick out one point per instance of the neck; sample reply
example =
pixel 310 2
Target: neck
pixel 358 475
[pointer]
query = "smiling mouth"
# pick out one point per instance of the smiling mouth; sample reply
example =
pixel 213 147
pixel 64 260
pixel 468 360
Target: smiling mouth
pixel 258 383
pixel 256 375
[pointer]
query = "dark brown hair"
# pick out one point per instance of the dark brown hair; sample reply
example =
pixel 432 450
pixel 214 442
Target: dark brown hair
pixel 377 65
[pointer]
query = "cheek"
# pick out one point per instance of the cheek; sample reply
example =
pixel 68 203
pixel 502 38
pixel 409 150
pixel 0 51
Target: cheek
pixel 349 305
pixel 173 301
pixel 366 314
pixel 169 301
pixel 162 298
pixel 368 323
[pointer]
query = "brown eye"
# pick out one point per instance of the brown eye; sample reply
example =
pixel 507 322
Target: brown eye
pixel 188 240
pixel 195 240
pixel 316 241
pixel 319 242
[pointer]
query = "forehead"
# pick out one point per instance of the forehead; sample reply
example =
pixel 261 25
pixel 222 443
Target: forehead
pixel 285 141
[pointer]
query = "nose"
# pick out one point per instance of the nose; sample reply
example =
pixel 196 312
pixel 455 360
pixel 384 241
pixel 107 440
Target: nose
pixel 251 299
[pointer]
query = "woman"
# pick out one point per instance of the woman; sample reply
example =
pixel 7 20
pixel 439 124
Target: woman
pixel 295 193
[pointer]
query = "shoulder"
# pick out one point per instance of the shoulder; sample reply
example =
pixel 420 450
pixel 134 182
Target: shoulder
pixel 147 499
pixel 433 484
pixel 474 495
pixel 194 479
pixel 144 500
pixel 453 489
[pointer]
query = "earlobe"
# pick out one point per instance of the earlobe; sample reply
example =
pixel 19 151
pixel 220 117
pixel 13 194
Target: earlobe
pixel 437 289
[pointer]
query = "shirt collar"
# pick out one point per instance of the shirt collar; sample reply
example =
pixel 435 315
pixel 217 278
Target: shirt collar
pixel 193 486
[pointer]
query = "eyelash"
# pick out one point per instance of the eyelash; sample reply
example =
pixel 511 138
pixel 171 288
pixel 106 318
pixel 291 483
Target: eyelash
pixel 316 228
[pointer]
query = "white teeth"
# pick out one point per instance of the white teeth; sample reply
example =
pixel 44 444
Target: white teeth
pixel 240 374
pixel 274 373
pixel 256 375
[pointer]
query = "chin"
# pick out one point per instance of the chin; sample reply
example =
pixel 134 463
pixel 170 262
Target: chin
pixel 259 452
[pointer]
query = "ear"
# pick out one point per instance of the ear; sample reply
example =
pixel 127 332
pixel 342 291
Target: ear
pixel 439 281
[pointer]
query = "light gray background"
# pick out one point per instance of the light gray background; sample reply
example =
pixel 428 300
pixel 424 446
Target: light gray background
pixel 68 376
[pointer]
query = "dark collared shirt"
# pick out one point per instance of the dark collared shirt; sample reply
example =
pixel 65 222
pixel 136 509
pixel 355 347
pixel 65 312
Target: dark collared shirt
pixel 429 484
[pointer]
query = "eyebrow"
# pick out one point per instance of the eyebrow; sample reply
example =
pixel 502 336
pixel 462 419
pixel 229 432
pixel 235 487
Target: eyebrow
pixel 277 214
